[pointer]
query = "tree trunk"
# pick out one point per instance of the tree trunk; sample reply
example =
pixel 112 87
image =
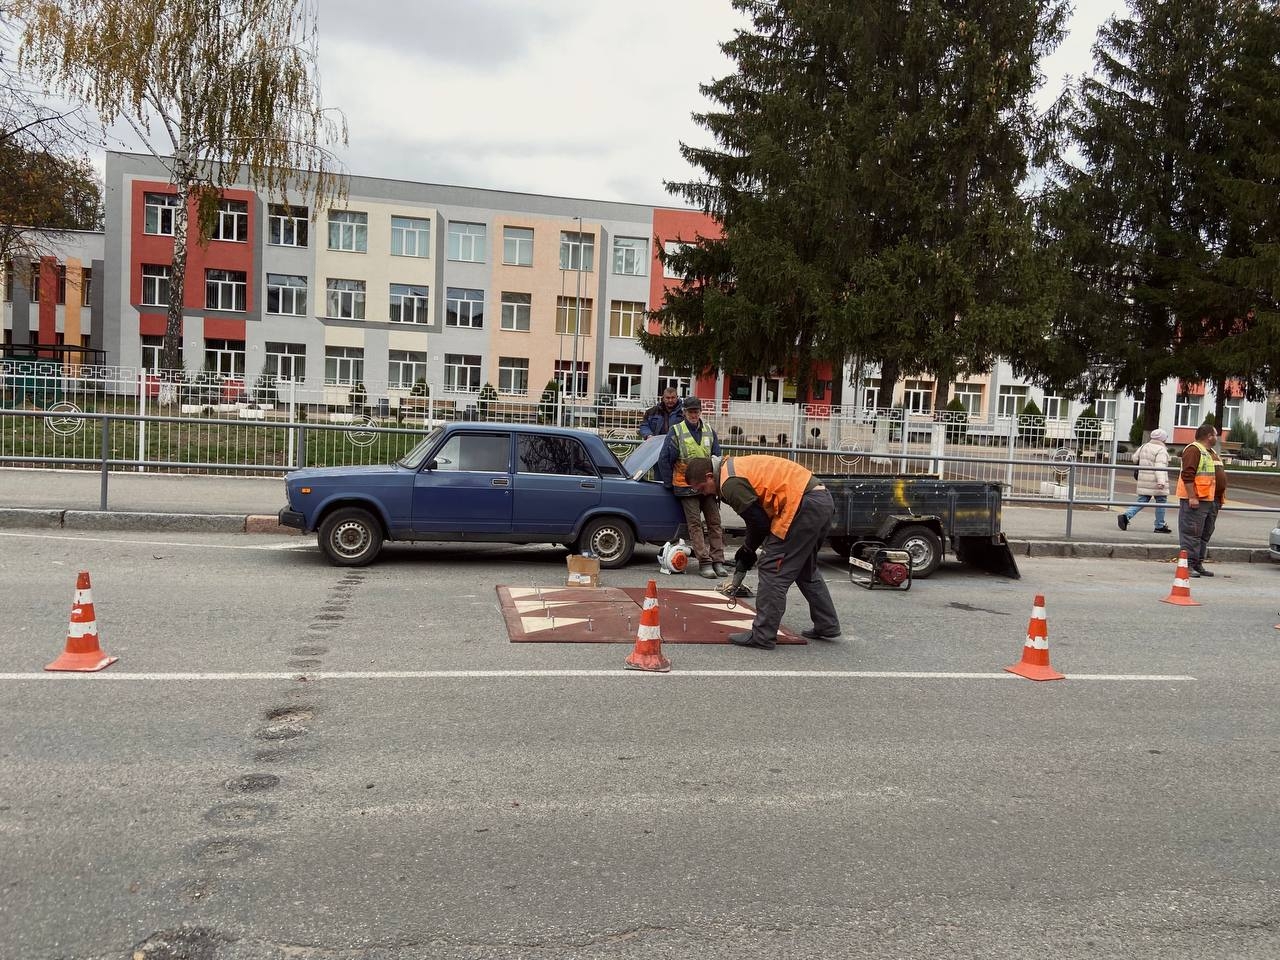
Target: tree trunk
pixel 171 352
pixel 941 392
pixel 1151 406
pixel 1219 401
pixel 889 370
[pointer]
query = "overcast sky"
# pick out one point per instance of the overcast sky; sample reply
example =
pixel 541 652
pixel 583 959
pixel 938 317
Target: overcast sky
pixel 546 96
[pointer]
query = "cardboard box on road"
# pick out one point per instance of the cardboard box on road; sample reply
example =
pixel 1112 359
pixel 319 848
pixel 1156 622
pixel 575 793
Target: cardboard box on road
pixel 583 571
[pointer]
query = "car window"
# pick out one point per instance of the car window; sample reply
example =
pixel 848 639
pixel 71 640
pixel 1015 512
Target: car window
pixel 547 454
pixel 479 452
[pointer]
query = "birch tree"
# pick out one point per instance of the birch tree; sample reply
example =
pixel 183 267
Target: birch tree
pixel 222 92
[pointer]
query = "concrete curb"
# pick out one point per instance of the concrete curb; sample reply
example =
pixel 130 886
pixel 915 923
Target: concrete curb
pixel 259 524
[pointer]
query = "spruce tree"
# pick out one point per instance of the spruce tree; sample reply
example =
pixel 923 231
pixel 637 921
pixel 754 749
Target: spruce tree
pixel 867 173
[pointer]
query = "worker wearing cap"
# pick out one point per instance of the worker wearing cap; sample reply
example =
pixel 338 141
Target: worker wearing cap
pixel 789 511
pixel 690 439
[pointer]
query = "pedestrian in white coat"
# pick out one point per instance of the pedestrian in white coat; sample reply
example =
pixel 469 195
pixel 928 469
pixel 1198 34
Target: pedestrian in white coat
pixel 1152 459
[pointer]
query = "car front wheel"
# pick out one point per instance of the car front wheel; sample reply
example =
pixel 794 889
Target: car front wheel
pixel 610 540
pixel 350 537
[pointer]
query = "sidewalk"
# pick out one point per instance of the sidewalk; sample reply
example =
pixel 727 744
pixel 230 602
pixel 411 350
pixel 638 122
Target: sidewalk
pixel 68 498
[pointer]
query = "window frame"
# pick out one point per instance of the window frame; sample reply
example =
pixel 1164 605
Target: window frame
pixel 508 366
pixel 518 308
pixel 620 310
pixel 520 243
pixel 630 373
pixel 286 219
pixel 337 295
pixel 642 256
pixel 164 210
pixel 580 246
pixel 217 349
pixel 358 222
pixel 416 296
pixel 233 219
pixel 421 236
pixel 151 283
pixel 348 361
pixel 235 281
pixel 296 361
pixel 454 362
pixel 453 309
pixel 398 361
pixel 279 290
pixel 564 326
pixel 475 241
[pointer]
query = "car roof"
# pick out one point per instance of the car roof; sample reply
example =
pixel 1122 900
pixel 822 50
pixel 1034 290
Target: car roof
pixel 536 428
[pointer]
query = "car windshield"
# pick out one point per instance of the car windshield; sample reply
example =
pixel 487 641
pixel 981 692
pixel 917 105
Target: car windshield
pixel 413 459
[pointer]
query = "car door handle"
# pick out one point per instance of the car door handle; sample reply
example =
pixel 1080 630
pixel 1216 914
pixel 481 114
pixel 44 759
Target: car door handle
pixel 587 484
pixel 500 482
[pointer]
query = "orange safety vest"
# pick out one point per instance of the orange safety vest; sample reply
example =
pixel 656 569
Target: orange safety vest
pixel 1206 475
pixel 780 484
pixel 688 449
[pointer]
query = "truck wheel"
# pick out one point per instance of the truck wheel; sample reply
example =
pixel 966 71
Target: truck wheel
pixel 841 545
pixel 350 537
pixel 610 540
pixel 924 546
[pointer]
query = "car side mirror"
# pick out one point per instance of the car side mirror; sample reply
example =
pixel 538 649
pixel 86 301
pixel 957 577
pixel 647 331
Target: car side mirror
pixel 432 464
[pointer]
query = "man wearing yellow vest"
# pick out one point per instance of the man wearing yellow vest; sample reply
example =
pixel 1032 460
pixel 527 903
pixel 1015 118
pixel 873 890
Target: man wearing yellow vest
pixel 1197 497
pixel 788 511
pixel 690 439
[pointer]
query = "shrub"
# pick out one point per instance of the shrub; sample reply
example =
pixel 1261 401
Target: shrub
pixel 1249 453
pixel 1031 425
pixel 359 397
pixel 547 402
pixel 957 421
pixel 1088 429
pixel 1245 435
pixel 485 398
pixel 1135 433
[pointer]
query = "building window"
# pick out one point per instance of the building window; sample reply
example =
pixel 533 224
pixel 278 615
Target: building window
pixel 1139 411
pixel 516 309
pixel 225 290
pixel 62 284
pixel 466 241
pixel 348 231
pixel 517 246
pixel 917 396
pixel 286 294
pixel 629 255
pixel 405 368
pixel 671 248
pixel 1010 401
pixel 670 379
pixel 577 250
pixel 1186 413
pixel 625 318
pixel 564 374
pixel 155 285
pixel 287 226
pixel 286 361
pixel 86 287
pixel 1105 406
pixel 410 237
pixel 153 350
pixel 409 303
pixel 970 397
pixel 1055 408
pixel 344 299
pixel 33 288
pixel 158 213
pixel 573 314
pixel 624 380
pixel 513 374
pixel 343 365
pixel 463 308
pixel 233 221
pixel 8 282
pixel 1230 413
pixel 461 372
pixel 225 357
pixel 870 394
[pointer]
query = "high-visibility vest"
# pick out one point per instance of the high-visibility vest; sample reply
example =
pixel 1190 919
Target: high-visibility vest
pixel 780 484
pixel 1206 475
pixel 688 448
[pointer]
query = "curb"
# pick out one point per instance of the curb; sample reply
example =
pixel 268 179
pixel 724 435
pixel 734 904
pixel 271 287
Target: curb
pixel 1164 553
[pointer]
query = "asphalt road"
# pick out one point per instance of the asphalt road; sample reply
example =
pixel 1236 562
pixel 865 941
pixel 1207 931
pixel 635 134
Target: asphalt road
pixel 432 790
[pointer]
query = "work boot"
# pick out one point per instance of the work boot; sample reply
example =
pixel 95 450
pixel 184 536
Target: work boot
pixel 708 571
pixel 1122 522
pixel 1198 570
pixel 744 640
pixel 720 569
pixel 813 634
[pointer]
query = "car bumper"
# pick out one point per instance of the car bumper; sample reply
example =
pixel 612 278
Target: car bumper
pixel 291 518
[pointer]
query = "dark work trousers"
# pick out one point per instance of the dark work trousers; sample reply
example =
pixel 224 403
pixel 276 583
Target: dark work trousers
pixel 1206 534
pixel 708 548
pixel 794 559
pixel 1195 527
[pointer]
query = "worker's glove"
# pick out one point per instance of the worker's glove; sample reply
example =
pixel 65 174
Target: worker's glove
pixel 744 559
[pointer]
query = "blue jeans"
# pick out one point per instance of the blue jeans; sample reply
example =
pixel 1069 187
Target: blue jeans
pixel 1143 500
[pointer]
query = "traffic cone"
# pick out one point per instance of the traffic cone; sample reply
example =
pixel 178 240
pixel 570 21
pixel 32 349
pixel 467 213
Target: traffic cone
pixel 1180 595
pixel 82 651
pixel 647 654
pixel 1035 652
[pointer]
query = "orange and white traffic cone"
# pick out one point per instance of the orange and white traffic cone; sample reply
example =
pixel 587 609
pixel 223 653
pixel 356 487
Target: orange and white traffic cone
pixel 1180 595
pixel 647 654
pixel 82 651
pixel 1035 652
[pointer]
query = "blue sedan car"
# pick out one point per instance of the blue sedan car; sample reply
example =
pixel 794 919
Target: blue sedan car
pixel 486 482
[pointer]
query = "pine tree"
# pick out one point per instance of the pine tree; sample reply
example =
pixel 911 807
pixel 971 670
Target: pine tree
pixel 866 172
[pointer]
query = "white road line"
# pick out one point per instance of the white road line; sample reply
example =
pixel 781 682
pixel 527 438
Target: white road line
pixel 530 674
pixel 166 543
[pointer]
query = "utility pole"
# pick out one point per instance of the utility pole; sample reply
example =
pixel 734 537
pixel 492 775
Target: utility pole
pixel 577 319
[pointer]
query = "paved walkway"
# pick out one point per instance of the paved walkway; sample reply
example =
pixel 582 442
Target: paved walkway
pixel 199 499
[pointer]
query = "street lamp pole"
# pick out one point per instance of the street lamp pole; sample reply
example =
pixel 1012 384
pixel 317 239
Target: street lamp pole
pixel 577 318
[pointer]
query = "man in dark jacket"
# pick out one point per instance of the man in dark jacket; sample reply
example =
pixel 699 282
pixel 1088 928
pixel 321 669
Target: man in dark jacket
pixel 662 416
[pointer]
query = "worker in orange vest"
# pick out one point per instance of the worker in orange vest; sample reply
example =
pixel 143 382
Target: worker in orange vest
pixel 788 511
pixel 1197 491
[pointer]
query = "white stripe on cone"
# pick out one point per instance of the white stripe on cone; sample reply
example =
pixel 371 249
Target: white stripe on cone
pixel 1037 643
pixel 79 630
pixel 647 632
pixel 650 603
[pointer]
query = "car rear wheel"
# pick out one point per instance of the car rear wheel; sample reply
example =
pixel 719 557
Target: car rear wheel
pixel 610 540
pixel 350 537
pixel 924 546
